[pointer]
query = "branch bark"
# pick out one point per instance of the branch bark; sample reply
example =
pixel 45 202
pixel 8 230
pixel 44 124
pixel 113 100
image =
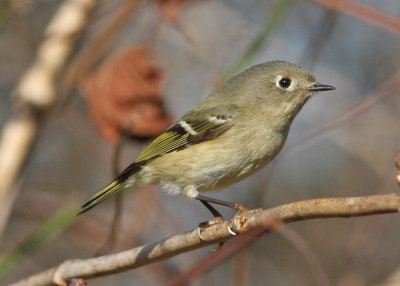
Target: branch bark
pixel 35 95
pixel 397 164
pixel 174 245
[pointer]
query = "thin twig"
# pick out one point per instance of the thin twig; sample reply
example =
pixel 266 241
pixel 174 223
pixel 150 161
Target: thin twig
pixel 245 240
pixel 118 206
pixel 152 252
pixel 270 25
pixel 223 253
pixel 318 39
pixel 241 269
pixel 384 90
pixel 397 164
pixel 97 47
pixel 116 221
pixel 301 245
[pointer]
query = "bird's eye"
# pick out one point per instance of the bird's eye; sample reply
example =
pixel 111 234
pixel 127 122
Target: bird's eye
pixel 285 82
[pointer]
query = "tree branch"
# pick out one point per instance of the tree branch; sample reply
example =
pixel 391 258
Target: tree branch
pixel 364 12
pixel 397 163
pixel 174 245
pixel 36 94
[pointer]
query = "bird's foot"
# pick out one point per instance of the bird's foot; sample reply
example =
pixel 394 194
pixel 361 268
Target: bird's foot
pixel 203 225
pixel 239 208
pixel 239 224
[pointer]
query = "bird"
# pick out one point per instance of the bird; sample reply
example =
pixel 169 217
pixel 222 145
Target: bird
pixel 228 136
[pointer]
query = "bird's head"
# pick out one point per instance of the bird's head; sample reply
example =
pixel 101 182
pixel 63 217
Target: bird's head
pixel 278 85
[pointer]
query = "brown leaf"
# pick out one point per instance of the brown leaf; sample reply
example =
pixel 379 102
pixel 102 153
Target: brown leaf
pixel 125 93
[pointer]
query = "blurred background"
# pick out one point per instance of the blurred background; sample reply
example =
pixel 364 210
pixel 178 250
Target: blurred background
pixel 138 66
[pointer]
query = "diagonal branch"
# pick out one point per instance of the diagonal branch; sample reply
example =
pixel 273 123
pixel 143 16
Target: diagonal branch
pixel 174 245
pixel 36 94
pixel 397 163
pixel 364 12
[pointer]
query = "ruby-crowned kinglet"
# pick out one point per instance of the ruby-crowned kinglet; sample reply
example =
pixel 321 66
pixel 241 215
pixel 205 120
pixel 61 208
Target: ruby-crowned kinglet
pixel 228 136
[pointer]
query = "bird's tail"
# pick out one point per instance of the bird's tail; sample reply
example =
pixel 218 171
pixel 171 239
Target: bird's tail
pixel 103 194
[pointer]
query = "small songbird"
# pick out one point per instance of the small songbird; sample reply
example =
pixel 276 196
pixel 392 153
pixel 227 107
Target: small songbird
pixel 228 136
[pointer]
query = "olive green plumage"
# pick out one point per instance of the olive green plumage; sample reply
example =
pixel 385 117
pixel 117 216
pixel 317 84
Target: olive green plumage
pixel 228 136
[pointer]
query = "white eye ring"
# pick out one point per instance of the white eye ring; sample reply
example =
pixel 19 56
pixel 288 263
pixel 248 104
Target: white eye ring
pixel 284 83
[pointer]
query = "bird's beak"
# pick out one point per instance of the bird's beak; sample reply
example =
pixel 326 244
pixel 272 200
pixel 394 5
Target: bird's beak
pixel 316 87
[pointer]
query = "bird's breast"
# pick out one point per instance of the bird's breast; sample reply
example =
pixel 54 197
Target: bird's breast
pixel 237 160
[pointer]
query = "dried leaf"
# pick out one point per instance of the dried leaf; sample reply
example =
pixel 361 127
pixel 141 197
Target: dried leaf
pixel 125 94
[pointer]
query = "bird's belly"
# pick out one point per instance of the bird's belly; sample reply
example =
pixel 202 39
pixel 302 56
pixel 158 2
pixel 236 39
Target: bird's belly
pixel 216 166
pixel 231 177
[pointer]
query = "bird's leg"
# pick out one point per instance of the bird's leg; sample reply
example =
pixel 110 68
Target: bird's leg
pixel 236 206
pixel 191 192
pixel 217 219
pixel 214 212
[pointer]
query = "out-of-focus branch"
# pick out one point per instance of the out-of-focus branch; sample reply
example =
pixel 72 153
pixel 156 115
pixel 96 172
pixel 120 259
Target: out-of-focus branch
pixel 271 23
pixel 92 52
pixel 36 92
pixel 392 280
pixel 130 259
pixel 217 257
pixel 118 206
pixel 318 39
pixel 386 89
pixel 364 12
pixel 397 163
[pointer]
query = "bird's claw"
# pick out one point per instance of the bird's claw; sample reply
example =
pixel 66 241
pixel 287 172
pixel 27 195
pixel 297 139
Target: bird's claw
pixel 230 230
pixel 239 224
pixel 202 226
pixel 240 208
pixel 199 233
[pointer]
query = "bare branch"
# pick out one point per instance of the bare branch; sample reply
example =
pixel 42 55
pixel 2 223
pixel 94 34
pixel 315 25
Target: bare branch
pixel 36 93
pixel 397 163
pixel 149 253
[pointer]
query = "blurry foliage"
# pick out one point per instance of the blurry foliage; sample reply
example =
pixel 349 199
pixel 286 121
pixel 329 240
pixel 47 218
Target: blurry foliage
pixel 8 7
pixel 57 224
pixel 5 11
pixel 270 25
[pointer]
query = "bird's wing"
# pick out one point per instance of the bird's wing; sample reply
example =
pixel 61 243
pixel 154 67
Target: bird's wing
pixel 191 129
